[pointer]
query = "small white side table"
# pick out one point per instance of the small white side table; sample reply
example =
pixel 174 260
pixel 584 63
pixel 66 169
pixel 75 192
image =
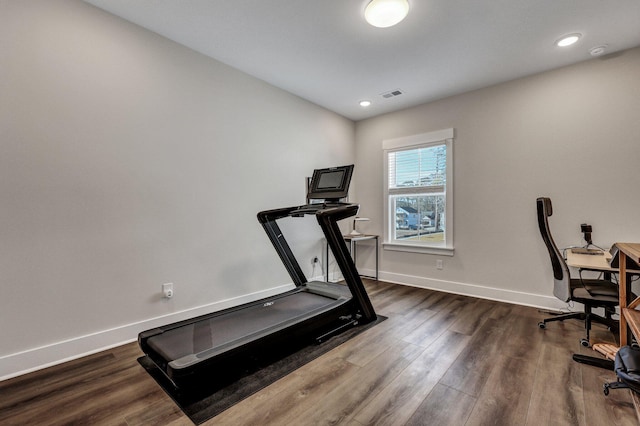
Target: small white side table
pixel 353 240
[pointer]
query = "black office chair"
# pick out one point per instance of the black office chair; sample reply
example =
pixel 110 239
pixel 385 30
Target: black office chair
pixel 592 293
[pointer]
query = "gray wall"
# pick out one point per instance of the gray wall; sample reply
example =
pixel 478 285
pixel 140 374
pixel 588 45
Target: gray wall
pixel 572 134
pixel 129 161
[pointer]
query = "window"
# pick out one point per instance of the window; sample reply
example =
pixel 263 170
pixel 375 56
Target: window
pixel 418 193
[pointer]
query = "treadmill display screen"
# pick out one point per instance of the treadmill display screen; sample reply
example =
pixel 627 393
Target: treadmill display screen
pixel 331 183
pixel 331 180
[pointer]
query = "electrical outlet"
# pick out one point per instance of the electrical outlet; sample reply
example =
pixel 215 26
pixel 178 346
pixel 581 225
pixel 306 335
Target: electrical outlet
pixel 439 263
pixel 167 290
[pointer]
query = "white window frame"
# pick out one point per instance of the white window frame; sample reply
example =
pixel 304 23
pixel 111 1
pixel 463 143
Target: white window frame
pixel 439 137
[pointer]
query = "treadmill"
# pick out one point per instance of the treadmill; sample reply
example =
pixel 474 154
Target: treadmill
pixel 223 344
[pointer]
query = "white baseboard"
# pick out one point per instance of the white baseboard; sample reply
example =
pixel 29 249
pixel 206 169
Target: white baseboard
pixel 24 362
pixel 466 289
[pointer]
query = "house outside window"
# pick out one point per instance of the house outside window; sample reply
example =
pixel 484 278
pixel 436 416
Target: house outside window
pixel 419 193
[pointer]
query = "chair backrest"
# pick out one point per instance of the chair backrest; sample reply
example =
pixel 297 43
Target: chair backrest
pixel 561 278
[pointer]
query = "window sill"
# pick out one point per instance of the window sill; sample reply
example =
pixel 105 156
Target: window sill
pixel 410 248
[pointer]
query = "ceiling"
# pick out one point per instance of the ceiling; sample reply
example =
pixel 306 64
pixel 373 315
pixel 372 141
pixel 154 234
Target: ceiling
pixel 325 52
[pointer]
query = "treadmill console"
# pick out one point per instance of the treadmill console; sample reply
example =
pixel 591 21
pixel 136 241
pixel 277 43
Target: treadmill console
pixel 328 186
pixel 331 184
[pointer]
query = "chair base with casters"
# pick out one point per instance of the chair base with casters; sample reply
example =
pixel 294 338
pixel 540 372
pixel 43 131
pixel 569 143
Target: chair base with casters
pixel 614 385
pixel 583 291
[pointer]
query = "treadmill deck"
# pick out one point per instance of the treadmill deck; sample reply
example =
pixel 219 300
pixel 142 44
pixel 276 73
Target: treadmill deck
pixel 191 343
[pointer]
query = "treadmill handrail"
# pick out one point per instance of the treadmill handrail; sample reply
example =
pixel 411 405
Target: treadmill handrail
pixel 268 220
pixel 327 219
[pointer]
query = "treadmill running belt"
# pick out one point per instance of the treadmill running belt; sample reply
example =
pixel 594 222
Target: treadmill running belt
pixel 221 330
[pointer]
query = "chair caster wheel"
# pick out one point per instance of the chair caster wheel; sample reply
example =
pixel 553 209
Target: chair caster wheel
pixel 584 342
pixel 542 325
pixel 605 389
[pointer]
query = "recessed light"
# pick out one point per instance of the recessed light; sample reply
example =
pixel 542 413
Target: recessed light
pixel 568 40
pixel 386 13
pixel 365 103
pixel 598 50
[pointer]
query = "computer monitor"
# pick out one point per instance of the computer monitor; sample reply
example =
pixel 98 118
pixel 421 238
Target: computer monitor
pixel 330 184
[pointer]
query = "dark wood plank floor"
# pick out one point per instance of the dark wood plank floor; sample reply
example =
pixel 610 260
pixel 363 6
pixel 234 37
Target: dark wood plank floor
pixel 439 359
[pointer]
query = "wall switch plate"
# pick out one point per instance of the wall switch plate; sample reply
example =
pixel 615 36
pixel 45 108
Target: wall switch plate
pixel 439 263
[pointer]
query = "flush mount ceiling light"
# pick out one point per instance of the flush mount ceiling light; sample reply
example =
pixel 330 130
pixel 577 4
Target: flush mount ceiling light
pixel 386 13
pixel 568 40
pixel 365 103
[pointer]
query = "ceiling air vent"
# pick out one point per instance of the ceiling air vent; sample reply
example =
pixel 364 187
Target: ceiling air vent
pixel 392 94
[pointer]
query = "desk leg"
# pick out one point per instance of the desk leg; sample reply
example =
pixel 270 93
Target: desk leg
pixel 623 298
pixel 376 241
pixel 630 297
pixel 353 253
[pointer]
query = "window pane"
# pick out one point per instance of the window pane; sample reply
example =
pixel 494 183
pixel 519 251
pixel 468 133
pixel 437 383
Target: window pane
pixel 421 167
pixel 419 218
pixel 418 192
